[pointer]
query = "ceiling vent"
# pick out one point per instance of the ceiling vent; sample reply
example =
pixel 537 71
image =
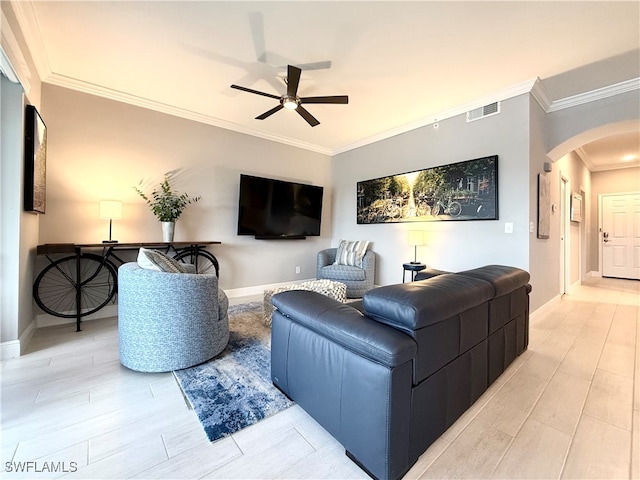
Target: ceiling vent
pixel 482 112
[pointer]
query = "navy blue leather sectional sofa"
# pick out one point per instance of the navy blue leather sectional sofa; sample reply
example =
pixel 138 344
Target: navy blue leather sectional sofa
pixel 389 380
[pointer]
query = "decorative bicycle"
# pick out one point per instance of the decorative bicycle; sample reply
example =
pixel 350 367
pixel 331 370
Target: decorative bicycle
pixel 57 291
pixel 452 208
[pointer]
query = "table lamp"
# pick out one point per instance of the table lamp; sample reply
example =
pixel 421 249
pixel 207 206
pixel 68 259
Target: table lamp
pixel 416 237
pixel 111 209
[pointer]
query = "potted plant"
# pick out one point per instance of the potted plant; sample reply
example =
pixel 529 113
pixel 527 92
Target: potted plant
pixel 167 205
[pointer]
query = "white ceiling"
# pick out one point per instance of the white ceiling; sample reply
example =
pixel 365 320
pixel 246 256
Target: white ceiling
pixel 401 63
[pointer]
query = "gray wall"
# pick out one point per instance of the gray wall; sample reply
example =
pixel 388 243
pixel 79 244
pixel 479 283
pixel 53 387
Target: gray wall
pixel 450 245
pixel 100 149
pixel 544 254
pixel 10 205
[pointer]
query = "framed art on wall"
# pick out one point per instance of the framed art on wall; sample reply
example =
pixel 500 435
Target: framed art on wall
pixel 35 161
pixel 457 191
pixel 576 207
pixel 544 206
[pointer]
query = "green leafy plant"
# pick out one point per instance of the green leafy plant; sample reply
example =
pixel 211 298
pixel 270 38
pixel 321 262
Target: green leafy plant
pixel 166 204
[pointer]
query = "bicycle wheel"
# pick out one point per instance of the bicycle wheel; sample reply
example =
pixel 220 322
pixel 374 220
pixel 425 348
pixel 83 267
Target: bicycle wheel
pixel 455 209
pixel 204 261
pixel 55 288
pixel 483 211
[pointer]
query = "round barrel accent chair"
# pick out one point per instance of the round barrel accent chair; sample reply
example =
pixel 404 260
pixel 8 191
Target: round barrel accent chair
pixel 169 321
pixel 350 263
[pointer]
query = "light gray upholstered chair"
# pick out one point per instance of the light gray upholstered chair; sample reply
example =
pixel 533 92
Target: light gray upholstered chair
pixel 358 280
pixel 169 321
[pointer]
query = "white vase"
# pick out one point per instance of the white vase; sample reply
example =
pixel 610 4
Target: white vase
pixel 167 231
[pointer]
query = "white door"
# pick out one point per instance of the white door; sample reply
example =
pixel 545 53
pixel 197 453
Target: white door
pixel 564 241
pixel 621 236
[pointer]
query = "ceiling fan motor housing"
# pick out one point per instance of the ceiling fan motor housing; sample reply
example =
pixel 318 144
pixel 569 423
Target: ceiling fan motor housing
pixel 290 103
pixel 291 100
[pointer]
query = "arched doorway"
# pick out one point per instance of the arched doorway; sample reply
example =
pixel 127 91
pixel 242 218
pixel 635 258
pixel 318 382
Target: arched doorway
pixel 602 179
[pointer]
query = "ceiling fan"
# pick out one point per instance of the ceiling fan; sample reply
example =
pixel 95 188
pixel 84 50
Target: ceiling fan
pixel 291 100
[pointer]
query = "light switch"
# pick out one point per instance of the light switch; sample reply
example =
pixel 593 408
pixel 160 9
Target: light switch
pixel 532 227
pixel 508 227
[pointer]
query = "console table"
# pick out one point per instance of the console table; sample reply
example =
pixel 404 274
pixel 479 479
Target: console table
pixel 80 271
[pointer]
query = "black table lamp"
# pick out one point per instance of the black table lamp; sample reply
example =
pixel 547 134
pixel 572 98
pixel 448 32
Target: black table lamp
pixel 416 237
pixel 112 210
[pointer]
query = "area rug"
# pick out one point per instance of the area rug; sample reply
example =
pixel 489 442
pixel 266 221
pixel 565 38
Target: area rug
pixel 234 390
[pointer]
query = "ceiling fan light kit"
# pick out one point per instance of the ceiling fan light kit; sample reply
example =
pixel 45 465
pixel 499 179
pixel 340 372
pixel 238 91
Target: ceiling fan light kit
pixel 291 100
pixel 290 103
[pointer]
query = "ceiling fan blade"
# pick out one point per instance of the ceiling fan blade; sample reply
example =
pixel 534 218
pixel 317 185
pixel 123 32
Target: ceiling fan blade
pixel 269 113
pixel 341 99
pixel 256 21
pixel 311 120
pixel 293 80
pixel 245 89
pixel 314 65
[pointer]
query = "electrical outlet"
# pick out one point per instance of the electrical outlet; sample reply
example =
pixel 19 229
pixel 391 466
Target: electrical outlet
pixel 297 270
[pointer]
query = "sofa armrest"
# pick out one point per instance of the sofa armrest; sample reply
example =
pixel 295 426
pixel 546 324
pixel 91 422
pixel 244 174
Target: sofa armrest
pixel 346 326
pixel 326 257
pixel 415 305
pixel 369 264
pixel 504 279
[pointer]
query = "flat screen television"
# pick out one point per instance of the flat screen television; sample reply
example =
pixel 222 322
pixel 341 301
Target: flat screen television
pixel 276 209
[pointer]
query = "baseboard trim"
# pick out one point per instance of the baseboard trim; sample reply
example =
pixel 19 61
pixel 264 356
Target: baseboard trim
pixel 9 350
pixel 45 320
pixel 14 348
pixel 546 308
pixel 259 289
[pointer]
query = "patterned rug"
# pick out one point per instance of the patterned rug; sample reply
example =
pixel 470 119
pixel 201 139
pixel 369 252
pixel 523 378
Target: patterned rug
pixel 234 390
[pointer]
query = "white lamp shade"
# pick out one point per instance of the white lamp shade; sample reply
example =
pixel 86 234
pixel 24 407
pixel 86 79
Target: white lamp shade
pixel 111 209
pixel 416 237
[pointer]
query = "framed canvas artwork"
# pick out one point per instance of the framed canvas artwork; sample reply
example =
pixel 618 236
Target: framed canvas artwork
pixel 457 191
pixel 35 161
pixel 544 206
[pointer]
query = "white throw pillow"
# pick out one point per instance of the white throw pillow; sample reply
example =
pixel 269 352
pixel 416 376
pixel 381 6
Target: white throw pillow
pixel 154 260
pixel 351 252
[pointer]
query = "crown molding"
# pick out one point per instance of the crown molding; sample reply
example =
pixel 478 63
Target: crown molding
pixel 27 22
pixel 92 89
pixel 594 95
pixel 510 92
pixel 13 62
pixel 585 158
pixel 541 95
pixel 30 29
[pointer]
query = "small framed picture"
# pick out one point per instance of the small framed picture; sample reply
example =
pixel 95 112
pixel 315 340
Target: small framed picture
pixel 576 207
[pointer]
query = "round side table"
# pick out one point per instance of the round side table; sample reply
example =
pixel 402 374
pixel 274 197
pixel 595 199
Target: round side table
pixel 413 268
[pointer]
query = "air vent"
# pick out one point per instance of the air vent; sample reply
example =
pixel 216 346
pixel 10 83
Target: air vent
pixel 482 112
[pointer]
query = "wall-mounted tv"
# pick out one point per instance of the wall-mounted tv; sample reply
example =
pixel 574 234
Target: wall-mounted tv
pixel 276 209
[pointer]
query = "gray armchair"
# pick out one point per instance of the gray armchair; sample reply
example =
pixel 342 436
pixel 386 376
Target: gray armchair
pixel 169 321
pixel 358 280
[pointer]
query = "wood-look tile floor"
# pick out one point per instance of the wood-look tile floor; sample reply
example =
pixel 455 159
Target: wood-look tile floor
pixel 569 407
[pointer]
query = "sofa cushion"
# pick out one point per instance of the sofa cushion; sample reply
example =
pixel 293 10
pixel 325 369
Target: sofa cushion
pixel 342 272
pixel 351 252
pixel 154 260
